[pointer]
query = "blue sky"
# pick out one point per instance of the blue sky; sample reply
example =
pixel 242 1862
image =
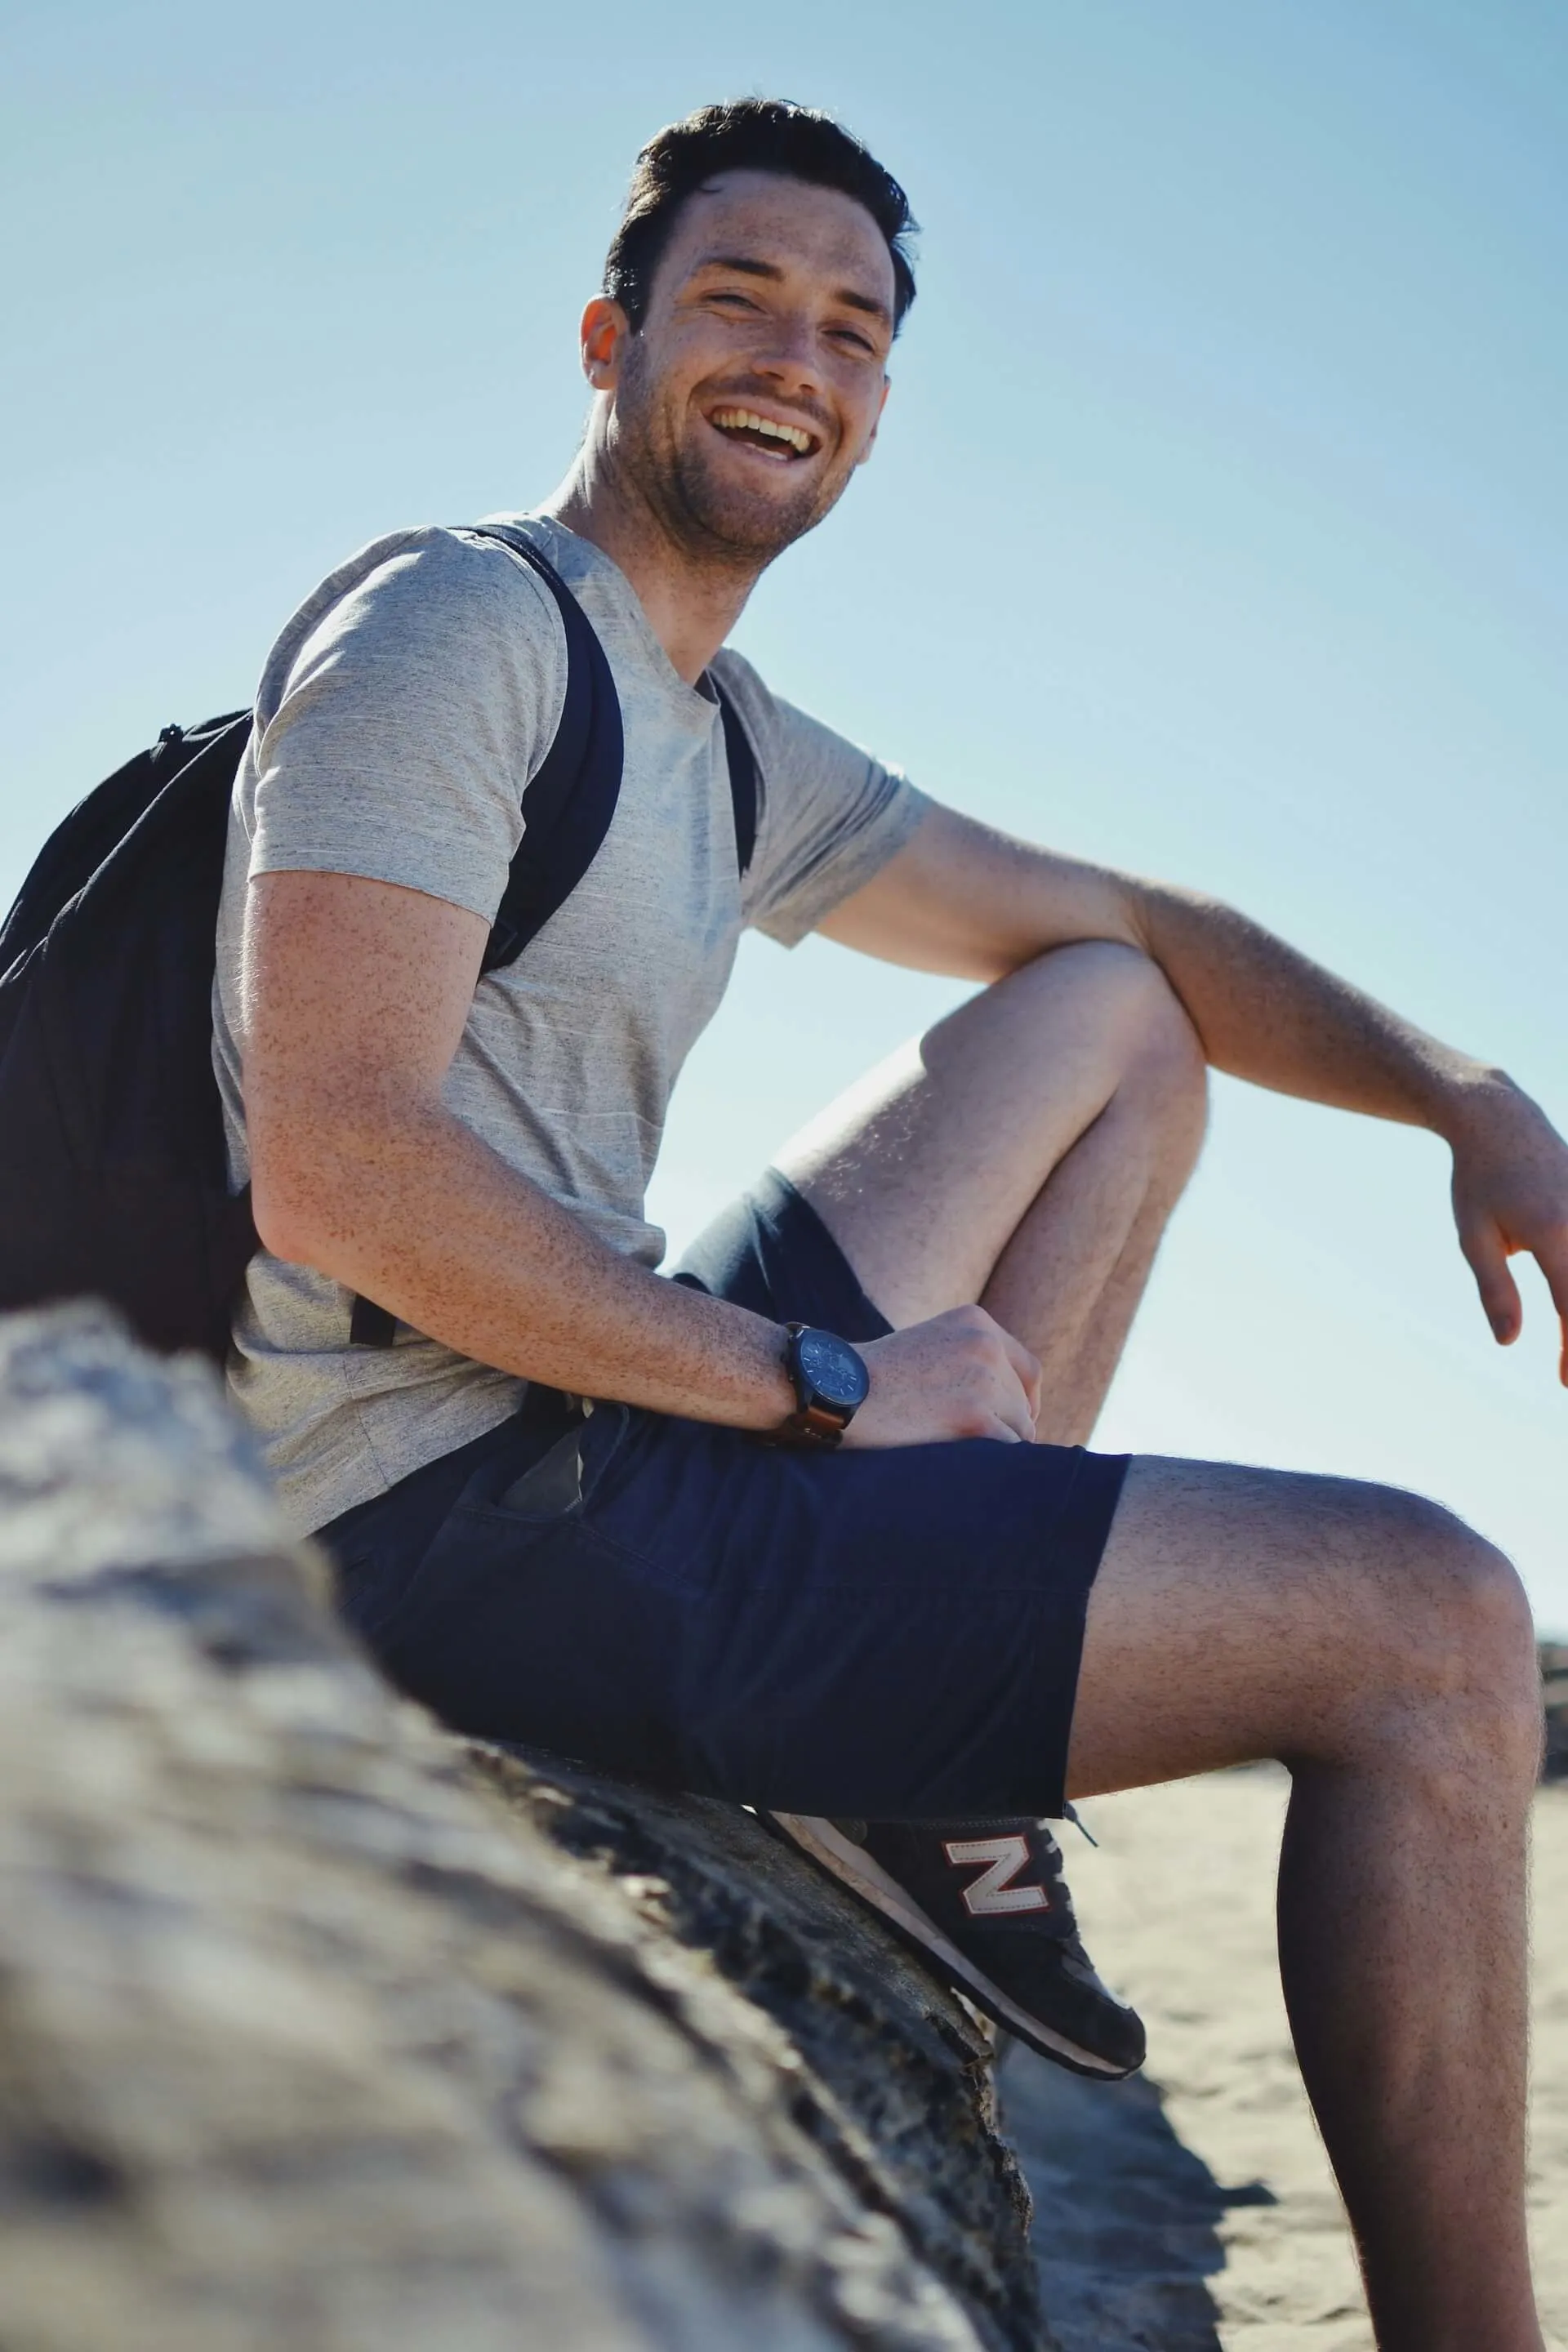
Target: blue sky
pixel 1216 531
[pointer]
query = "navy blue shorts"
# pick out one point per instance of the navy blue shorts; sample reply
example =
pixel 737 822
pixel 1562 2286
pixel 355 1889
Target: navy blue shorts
pixel 894 1633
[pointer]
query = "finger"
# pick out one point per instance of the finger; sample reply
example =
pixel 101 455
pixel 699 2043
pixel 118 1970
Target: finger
pixel 1551 1257
pixel 1488 1261
pixel 1032 1385
pixel 1027 1367
pixel 1008 1433
pixel 1019 1415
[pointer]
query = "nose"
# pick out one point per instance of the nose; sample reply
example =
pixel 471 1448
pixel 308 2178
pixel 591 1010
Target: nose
pixel 788 355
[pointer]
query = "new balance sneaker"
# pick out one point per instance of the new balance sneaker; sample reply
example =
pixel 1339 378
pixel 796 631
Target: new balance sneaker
pixel 986 1905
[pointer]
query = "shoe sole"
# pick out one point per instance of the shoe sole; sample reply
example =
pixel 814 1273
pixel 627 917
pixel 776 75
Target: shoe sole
pixel 864 1876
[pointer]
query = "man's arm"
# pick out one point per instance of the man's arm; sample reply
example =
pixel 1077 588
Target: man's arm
pixel 963 899
pixel 354 995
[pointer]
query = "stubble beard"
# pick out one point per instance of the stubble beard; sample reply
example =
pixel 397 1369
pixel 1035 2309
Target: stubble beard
pixel 715 521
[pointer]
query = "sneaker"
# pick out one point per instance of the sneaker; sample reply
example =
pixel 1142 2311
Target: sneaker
pixel 986 1905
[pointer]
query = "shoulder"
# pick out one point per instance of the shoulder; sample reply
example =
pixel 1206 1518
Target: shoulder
pixel 831 813
pixel 443 579
pixel 425 642
pixel 404 712
pixel 423 587
pixel 792 747
pixel 740 681
pixel 770 721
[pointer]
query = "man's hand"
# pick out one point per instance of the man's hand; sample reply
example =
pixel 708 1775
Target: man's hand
pixel 960 1375
pixel 1511 1192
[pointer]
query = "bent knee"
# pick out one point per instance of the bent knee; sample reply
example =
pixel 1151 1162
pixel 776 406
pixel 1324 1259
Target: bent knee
pixel 1170 1057
pixel 1454 1629
pixel 1492 1632
pixel 1147 1024
pixel 1476 1605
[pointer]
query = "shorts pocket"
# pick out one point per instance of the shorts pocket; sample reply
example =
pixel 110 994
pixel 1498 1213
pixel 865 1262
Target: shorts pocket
pixel 557 1485
pixel 375 1585
pixel 535 1629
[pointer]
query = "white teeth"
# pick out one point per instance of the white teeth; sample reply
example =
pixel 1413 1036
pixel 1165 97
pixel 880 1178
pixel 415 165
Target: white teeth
pixel 736 420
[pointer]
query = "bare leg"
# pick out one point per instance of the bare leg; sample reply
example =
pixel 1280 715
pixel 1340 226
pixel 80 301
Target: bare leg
pixel 1385 1654
pixel 1027 1153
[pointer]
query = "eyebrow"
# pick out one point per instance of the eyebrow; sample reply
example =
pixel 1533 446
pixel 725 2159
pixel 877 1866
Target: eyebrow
pixel 747 266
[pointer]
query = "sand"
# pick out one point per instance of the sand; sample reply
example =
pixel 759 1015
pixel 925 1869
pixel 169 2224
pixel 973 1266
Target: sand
pixel 1196 2206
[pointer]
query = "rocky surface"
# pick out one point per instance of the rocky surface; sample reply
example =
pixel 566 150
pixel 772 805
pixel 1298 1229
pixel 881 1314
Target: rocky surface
pixel 319 2035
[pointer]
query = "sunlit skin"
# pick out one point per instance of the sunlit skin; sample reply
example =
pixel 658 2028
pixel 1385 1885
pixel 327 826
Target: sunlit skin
pixel 771 297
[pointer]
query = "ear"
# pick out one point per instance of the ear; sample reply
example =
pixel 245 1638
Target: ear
pixel 872 437
pixel 604 330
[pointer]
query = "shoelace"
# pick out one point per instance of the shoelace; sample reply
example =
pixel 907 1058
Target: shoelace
pixel 1054 1868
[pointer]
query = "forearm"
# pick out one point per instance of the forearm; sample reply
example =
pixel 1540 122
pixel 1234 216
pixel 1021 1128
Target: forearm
pixel 405 1205
pixel 1267 1014
pixel 961 898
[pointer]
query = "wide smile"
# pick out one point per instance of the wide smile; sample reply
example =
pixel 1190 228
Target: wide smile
pixel 775 438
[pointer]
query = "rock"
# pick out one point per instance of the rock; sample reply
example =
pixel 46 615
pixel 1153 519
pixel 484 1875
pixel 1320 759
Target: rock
pixel 896 2079
pixel 320 2032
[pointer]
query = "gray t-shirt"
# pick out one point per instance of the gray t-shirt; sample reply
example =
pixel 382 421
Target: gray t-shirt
pixel 401 714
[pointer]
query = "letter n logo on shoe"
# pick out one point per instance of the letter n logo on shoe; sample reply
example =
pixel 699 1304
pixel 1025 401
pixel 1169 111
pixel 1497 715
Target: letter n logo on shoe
pixel 993 1892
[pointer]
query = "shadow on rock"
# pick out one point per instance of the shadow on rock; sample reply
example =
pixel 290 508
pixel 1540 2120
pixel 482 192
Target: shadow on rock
pixel 1127 2229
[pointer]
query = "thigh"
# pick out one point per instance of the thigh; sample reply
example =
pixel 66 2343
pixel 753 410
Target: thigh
pixel 923 1170
pixel 1242 1613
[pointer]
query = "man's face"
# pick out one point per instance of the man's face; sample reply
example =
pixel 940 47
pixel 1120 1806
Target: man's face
pixel 753 389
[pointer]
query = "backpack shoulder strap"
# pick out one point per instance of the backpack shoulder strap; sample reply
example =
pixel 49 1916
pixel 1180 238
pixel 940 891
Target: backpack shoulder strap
pixel 743 787
pixel 569 803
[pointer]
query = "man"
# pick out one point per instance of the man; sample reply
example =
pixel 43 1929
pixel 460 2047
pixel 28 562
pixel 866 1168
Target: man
pixel 856 1637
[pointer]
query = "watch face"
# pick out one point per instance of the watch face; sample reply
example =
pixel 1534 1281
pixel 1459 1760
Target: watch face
pixel 832 1368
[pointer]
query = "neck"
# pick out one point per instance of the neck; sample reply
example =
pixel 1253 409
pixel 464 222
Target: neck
pixel 691 604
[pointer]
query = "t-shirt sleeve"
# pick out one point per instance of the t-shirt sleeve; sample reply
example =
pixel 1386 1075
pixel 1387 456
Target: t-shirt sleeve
pixel 399 741
pixel 830 815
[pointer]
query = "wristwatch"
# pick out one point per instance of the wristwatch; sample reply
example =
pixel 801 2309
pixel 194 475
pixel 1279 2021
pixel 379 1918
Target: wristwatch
pixel 831 1384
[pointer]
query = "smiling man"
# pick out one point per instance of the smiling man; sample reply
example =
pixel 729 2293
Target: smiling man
pixel 828 1541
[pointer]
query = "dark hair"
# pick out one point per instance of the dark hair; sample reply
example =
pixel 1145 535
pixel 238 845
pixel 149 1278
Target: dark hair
pixel 748 135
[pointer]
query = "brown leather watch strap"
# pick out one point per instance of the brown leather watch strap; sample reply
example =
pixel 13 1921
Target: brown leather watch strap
pixel 812 1425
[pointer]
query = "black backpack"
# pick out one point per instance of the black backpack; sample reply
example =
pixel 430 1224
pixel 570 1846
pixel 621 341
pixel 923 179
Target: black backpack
pixel 113 1174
